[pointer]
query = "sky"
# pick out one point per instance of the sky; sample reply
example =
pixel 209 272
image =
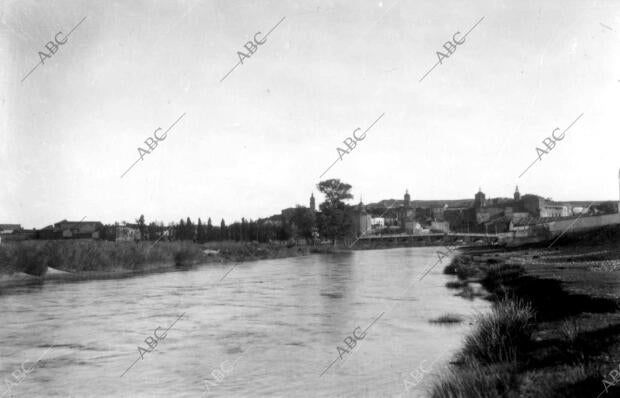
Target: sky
pixel 259 140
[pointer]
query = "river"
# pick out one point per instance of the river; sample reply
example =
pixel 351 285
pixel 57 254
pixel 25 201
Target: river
pixel 271 327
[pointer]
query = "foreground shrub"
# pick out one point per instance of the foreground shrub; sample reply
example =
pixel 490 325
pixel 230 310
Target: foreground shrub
pixel 476 382
pixel 462 267
pixel 497 275
pixel 500 335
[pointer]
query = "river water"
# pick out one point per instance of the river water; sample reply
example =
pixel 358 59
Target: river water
pixel 271 328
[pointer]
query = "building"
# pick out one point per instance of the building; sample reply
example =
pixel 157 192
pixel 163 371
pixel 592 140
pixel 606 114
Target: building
pixel 479 199
pixel 312 202
pixel 440 226
pixel 407 215
pixel 6 229
pixel 377 222
pixel 127 233
pixel 437 213
pixel 76 229
pixel 517 194
pixel 461 219
pixel 485 214
pixel 540 207
pixel 362 221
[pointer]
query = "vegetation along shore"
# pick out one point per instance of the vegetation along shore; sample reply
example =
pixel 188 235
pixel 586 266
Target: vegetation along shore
pixel 35 260
pixel 554 330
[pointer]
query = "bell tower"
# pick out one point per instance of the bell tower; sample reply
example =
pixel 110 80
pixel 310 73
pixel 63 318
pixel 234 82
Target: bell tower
pixel 517 195
pixel 479 199
pixel 312 202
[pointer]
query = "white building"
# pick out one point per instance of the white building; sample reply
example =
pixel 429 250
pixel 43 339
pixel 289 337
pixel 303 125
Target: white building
pixel 377 222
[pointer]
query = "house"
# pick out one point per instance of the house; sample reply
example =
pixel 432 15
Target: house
pixel 6 229
pixel 77 229
pixel 377 222
pixel 127 232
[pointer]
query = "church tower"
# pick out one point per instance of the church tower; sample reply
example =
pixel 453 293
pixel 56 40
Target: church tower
pixel 479 199
pixel 517 194
pixel 406 214
pixel 312 203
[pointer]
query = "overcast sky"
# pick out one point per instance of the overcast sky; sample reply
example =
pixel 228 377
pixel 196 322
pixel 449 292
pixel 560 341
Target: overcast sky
pixel 258 141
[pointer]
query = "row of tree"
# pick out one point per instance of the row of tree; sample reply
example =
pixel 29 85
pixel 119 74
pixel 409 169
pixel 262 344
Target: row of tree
pixel 332 222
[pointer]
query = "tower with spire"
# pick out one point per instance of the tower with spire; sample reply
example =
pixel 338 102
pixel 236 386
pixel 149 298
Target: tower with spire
pixel 312 202
pixel 517 195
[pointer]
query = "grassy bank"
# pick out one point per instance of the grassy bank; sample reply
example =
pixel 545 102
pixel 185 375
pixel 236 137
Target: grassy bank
pixel 554 330
pixel 89 257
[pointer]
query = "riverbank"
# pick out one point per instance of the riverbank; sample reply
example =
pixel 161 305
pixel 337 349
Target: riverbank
pixel 555 327
pixel 38 261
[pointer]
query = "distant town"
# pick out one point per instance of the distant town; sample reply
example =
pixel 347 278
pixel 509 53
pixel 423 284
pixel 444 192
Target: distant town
pixel 524 217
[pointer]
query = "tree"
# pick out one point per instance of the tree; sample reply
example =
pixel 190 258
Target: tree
pixel 244 229
pixel 223 230
pixel 190 230
pixel 152 230
pixel 142 226
pixel 181 230
pixel 200 233
pixel 335 220
pixel 303 219
pixel 210 230
pixel 335 192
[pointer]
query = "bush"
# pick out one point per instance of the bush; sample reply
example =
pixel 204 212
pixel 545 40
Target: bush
pixel 462 267
pixel 32 262
pixel 18 257
pixel 182 257
pixel 500 335
pixel 476 382
pixel 497 275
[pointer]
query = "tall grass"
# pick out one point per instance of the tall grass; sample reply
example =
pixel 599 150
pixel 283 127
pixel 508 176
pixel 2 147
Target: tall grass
pixel 489 355
pixel 500 335
pixel 34 257
pixel 476 382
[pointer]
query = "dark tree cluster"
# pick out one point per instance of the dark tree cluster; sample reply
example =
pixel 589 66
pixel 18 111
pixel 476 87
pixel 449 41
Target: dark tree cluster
pixel 333 221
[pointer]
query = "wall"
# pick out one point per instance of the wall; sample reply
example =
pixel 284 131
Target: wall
pixel 583 223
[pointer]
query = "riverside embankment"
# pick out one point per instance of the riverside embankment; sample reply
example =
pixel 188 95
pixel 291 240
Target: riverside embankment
pixel 555 327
